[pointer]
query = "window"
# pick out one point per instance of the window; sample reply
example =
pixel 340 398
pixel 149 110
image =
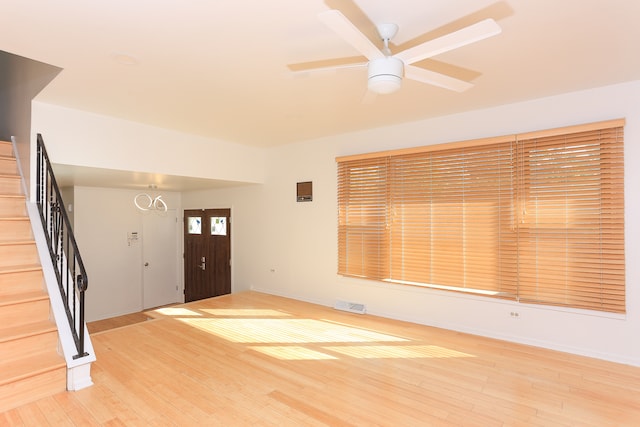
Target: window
pixel 536 218
pixel 194 225
pixel 218 226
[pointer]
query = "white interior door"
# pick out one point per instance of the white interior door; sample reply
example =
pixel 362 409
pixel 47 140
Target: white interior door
pixel 160 264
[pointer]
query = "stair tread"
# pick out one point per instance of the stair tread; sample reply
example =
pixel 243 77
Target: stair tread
pixel 30 366
pixel 28 330
pixel 20 268
pixel 14 218
pixel 23 297
pixel 17 242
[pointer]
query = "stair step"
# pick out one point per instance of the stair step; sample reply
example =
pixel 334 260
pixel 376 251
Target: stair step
pixel 15 280
pixel 12 206
pixel 16 370
pixel 23 297
pixel 8 165
pixel 6 149
pixel 31 378
pixel 18 253
pixel 15 228
pixel 25 340
pixel 10 184
pixel 24 308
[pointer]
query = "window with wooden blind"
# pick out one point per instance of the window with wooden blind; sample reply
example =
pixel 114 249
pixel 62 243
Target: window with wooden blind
pixel 536 218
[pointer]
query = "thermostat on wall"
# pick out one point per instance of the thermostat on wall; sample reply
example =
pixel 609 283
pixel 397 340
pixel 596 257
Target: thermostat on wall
pixel 132 237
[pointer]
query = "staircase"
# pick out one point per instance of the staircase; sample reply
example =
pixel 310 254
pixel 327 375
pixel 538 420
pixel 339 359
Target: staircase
pixel 30 366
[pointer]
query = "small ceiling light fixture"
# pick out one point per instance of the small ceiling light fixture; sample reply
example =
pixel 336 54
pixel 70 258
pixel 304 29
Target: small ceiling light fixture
pixel 385 75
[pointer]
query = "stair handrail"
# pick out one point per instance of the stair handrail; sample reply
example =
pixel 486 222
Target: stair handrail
pixel 65 256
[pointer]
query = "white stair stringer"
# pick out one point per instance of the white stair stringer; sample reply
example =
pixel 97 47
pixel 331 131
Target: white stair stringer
pixel 78 370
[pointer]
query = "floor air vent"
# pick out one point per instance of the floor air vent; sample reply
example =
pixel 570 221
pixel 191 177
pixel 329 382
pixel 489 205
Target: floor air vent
pixel 350 306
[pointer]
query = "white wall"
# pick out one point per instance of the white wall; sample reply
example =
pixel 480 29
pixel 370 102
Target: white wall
pixel 80 138
pixel 102 219
pixel 290 249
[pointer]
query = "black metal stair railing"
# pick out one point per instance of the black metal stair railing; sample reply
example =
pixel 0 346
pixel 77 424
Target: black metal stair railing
pixel 67 263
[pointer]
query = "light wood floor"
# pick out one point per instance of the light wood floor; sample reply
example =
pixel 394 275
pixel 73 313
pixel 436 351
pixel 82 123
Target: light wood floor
pixel 116 322
pixel 251 359
pixel 124 320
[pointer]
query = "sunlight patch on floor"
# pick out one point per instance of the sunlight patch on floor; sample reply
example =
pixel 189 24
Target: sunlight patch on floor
pixel 383 351
pixel 241 312
pixel 396 351
pixel 176 311
pixel 286 331
pixel 270 332
pixel 292 353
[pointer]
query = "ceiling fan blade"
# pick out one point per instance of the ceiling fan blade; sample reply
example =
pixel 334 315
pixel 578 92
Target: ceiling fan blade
pixel 471 34
pixel 335 20
pixel 353 61
pixel 436 79
pixel 306 69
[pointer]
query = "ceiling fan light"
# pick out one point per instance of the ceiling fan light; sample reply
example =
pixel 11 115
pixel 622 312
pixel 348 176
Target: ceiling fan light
pixel 384 83
pixel 385 75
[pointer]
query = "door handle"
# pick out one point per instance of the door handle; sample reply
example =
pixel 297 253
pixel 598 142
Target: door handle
pixel 202 266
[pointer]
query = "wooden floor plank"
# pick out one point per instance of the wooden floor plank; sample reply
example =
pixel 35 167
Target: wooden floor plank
pixel 11 418
pixel 251 359
pixel 74 410
pixel 116 322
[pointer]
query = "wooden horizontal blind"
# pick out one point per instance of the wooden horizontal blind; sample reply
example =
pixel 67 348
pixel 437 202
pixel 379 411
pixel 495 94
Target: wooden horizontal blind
pixel 451 220
pixel 362 217
pixel 537 218
pixel 571 228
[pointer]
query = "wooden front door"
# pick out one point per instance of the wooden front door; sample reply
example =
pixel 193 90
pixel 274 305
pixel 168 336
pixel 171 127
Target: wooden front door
pixel 207 253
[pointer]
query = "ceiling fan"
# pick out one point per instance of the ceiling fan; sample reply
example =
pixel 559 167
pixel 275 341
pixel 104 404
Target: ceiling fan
pixel 386 71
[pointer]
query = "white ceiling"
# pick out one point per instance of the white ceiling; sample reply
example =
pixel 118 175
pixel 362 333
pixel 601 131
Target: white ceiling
pixel 222 68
